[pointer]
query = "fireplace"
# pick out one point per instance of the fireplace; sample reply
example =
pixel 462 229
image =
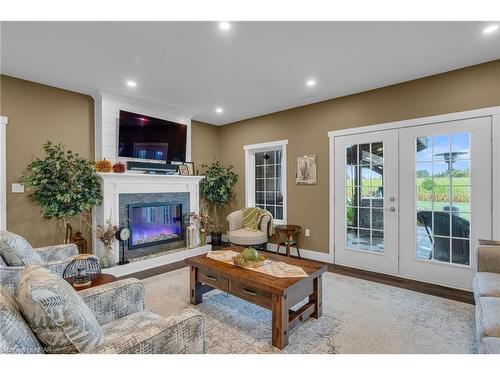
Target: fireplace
pixel 154 224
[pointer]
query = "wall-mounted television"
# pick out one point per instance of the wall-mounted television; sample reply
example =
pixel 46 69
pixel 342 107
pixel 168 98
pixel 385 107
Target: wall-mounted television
pixel 145 137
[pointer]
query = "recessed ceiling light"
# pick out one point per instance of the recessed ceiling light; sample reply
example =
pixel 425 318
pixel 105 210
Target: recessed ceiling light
pixel 490 29
pixel 219 110
pixel 311 83
pixel 224 26
pixel 131 83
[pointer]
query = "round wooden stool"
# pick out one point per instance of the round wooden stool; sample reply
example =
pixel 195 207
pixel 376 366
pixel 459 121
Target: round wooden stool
pixel 291 233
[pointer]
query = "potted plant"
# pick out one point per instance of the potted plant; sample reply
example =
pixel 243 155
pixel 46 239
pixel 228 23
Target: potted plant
pixel 63 184
pixel 217 189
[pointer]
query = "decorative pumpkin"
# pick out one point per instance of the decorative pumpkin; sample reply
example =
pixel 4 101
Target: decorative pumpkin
pixel 103 166
pixel 119 168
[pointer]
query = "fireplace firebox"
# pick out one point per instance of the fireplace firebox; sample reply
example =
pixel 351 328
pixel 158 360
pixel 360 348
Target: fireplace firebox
pixel 154 224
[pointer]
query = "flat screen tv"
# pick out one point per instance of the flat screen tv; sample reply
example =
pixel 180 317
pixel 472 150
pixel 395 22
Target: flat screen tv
pixel 144 137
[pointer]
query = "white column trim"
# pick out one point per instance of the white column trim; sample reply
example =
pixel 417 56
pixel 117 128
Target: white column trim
pixel 3 169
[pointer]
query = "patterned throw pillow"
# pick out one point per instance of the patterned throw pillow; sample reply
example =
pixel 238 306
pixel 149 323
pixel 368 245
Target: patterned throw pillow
pixel 15 335
pixel 16 251
pixel 56 313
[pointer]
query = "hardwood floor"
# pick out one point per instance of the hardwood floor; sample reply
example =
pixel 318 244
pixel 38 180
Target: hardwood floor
pixel 156 271
pixel 399 282
pixel 417 286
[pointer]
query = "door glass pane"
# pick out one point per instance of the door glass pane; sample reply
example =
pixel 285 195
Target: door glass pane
pixel 365 197
pixel 268 189
pixel 443 198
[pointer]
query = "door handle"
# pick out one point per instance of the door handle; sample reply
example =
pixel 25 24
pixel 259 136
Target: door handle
pixel 390 209
pixel 211 278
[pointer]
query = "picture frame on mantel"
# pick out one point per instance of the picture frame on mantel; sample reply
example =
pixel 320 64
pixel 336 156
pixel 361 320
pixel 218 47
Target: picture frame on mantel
pixel 183 170
pixel 306 173
pixel 190 167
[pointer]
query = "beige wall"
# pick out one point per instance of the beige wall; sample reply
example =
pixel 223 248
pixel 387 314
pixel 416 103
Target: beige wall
pixel 306 130
pixel 38 113
pixel 205 143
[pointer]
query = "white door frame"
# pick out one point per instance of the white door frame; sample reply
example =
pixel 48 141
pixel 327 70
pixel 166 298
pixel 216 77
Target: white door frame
pixel 3 166
pixel 493 112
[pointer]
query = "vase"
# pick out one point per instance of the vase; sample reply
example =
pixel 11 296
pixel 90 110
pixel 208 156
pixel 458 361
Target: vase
pixel 203 237
pixel 107 258
pixel 193 236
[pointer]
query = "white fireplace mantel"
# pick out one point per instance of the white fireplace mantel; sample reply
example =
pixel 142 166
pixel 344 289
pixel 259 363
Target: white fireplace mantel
pixel 114 184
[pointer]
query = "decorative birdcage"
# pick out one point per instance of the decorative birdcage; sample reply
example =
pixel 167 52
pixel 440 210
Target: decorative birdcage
pixel 82 269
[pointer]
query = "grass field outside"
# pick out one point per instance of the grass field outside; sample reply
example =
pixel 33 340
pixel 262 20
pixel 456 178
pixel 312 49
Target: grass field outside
pixel 433 194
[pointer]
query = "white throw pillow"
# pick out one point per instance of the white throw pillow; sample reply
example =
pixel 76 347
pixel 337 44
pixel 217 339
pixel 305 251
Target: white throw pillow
pixel 56 313
pixel 16 251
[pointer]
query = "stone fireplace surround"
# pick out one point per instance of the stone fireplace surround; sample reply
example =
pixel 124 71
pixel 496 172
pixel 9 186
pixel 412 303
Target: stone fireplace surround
pixel 118 187
pixel 166 198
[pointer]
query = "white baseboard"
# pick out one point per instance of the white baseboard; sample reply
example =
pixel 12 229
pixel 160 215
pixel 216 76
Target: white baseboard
pixel 304 253
pixel 132 267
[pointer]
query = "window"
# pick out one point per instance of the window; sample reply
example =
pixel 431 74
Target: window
pixel 265 178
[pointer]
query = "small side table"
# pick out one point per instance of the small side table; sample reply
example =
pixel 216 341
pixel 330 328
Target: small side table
pixel 291 233
pixel 102 279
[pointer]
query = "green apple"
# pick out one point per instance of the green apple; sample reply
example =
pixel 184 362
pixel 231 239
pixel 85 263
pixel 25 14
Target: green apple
pixel 250 255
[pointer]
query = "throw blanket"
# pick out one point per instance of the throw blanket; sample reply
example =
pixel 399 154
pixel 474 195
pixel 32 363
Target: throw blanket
pixel 252 216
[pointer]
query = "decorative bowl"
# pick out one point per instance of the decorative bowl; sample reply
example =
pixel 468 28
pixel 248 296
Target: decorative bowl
pixel 239 262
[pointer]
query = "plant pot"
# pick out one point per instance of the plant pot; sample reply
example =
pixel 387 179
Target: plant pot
pixel 216 238
pixel 203 237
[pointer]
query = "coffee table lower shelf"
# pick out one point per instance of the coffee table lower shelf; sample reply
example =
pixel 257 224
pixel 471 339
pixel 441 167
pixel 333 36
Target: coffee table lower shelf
pixel 279 297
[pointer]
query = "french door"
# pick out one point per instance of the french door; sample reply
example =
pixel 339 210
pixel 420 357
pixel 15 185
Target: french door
pixel 366 201
pixel 413 201
pixel 445 195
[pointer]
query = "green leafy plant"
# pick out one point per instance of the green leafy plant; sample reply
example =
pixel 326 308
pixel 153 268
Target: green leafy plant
pixel 63 184
pixel 218 185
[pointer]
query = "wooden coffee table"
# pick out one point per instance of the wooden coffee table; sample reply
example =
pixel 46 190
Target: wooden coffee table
pixel 274 293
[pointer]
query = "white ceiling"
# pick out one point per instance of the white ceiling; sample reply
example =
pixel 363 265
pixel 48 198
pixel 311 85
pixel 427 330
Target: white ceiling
pixel 252 69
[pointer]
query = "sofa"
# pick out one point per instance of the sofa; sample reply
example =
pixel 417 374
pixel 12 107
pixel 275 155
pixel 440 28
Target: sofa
pixel 486 287
pixel 16 253
pixel 117 310
pixel 239 235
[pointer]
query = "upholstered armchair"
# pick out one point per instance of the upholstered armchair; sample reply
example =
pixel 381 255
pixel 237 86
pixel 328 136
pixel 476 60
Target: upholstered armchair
pixel 238 235
pixel 117 309
pixel 16 253
pixel 131 329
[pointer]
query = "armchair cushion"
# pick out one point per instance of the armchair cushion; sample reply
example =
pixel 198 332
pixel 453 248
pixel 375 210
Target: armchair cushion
pixel 115 300
pixel 16 336
pixel 11 276
pixel 147 333
pixel 56 313
pixel 486 284
pixel 235 220
pixel 16 251
pixel 57 252
pixel 247 237
pixel 488 317
pixel 488 258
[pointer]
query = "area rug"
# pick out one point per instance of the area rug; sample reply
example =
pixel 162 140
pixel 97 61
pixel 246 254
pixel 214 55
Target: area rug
pixel 359 316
